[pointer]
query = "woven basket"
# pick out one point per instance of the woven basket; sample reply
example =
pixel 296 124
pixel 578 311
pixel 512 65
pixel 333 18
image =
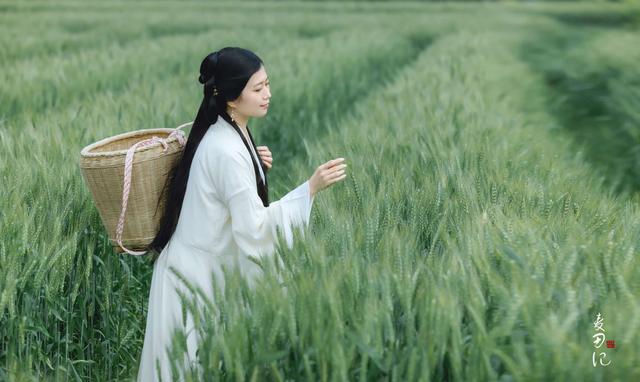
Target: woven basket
pixel 139 211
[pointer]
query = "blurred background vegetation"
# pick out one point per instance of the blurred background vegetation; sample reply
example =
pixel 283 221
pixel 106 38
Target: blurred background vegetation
pixel 490 212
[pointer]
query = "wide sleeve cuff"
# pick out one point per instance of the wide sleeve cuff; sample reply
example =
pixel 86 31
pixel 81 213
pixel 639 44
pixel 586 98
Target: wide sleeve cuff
pixel 296 210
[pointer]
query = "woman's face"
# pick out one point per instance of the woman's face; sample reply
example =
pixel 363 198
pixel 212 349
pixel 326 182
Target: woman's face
pixel 254 99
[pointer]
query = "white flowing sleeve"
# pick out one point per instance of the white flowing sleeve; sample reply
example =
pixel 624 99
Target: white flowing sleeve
pixel 253 225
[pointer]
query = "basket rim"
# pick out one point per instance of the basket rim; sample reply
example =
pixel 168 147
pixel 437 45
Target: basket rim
pixel 85 152
pixel 88 164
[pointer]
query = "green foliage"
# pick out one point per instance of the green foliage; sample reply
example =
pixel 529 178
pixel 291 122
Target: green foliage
pixel 489 212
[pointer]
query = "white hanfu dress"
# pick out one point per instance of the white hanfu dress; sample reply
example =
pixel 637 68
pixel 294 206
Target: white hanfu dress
pixel 222 221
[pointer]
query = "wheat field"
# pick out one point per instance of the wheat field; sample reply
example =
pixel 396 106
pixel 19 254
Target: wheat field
pixel 490 214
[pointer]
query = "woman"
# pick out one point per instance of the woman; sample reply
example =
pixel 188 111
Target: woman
pixel 218 211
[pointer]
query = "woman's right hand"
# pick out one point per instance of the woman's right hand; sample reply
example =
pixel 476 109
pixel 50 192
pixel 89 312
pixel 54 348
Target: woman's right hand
pixel 327 174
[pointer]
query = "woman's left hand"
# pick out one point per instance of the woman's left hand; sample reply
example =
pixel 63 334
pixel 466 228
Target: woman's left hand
pixel 265 156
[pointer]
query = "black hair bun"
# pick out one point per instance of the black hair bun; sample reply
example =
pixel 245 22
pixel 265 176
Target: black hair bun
pixel 206 81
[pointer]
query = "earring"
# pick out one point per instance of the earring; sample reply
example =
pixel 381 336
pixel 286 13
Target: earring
pixel 232 115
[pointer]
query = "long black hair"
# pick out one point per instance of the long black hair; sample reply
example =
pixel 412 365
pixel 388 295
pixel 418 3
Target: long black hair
pixel 227 71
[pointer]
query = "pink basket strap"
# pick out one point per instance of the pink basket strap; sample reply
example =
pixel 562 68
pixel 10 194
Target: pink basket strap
pixel 128 163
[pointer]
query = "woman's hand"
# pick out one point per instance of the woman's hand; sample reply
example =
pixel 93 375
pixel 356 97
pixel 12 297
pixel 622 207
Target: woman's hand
pixel 265 156
pixel 327 174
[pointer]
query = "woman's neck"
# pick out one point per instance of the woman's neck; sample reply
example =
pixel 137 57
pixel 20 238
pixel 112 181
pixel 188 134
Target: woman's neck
pixel 241 121
pixel 242 125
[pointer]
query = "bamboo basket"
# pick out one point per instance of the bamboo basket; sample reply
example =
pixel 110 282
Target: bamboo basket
pixel 130 199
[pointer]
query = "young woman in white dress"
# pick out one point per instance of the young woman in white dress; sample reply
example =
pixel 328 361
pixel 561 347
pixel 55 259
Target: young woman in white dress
pixel 218 212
